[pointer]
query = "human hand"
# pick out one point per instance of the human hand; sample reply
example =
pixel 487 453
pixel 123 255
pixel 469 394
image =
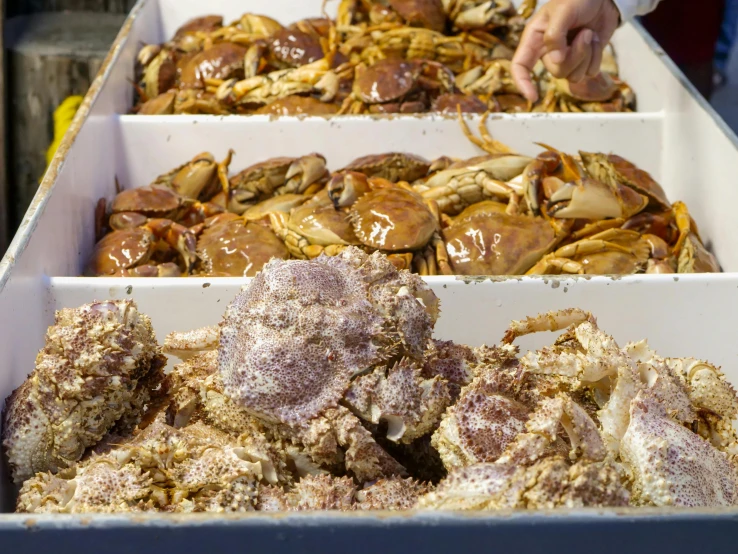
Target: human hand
pixel 589 24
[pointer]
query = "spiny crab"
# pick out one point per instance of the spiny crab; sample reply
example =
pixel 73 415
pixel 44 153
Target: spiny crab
pixel 370 316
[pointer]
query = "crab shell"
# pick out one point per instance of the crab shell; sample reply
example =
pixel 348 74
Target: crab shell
pixel 392 166
pixel 327 321
pixel 393 219
pixel 150 201
pixel 298 105
pixel 451 102
pixel 421 13
pixel 221 61
pixel 614 170
pixel 498 244
pixel 293 47
pixel 232 247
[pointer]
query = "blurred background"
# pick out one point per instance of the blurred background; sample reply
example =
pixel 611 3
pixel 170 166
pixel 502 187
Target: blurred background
pixel 52 50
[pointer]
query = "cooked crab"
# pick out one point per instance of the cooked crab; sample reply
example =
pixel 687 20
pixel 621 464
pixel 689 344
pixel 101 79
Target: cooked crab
pixel 392 166
pixel 386 216
pixel 397 86
pixel 131 250
pixel 231 246
pixel 316 78
pixel 274 177
pixel 98 369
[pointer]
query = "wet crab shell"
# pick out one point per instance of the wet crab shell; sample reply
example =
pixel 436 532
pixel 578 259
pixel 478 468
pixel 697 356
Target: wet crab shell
pixel 204 24
pixel 421 13
pixel 151 201
pixel 121 250
pixel 221 61
pixel 393 220
pixel 298 105
pixel 385 81
pixel 238 249
pixel 294 48
pixel 497 244
pixel 393 166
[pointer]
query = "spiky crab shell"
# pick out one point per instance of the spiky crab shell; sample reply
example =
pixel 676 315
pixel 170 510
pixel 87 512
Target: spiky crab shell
pixel 86 379
pixel 293 338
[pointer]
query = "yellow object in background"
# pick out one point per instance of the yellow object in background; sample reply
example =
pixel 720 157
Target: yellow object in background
pixel 63 116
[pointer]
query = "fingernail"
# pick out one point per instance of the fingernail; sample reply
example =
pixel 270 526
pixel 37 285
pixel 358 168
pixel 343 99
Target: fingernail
pixel 587 36
pixel 557 56
pixel 595 38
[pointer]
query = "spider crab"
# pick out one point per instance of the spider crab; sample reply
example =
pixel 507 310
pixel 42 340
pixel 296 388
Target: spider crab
pixel 348 351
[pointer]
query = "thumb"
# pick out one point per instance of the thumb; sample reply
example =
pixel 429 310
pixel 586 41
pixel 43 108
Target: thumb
pixel 561 20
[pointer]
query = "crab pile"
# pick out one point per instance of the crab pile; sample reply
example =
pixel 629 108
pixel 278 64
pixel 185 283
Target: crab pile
pixel 376 56
pixel 500 213
pixel 323 389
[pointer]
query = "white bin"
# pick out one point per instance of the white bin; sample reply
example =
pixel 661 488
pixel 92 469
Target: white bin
pixel 675 136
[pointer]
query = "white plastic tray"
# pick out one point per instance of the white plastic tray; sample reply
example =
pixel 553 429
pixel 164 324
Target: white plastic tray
pixel 676 137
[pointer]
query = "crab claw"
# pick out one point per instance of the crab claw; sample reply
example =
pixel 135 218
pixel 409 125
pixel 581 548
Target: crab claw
pixel 591 199
pixel 346 187
pixel 328 86
pixel 304 172
pixel 178 237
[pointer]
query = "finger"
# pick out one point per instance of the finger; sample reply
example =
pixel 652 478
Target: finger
pixel 579 52
pixel 527 55
pixel 524 82
pixel 596 63
pixel 562 19
pixel 580 72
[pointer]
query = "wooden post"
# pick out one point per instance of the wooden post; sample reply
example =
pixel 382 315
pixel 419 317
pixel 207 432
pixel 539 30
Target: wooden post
pixel 4 197
pixel 21 7
pixel 50 56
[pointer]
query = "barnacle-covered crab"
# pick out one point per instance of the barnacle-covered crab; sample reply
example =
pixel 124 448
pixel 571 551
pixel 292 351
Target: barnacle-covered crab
pixel 328 321
pixel 159 468
pixel 98 369
pixel 666 419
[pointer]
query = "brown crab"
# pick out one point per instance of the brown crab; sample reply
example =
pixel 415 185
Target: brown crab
pixel 287 47
pixel 223 61
pixel 274 177
pixel 392 166
pixel 314 228
pixel 298 105
pixel 490 241
pixel 396 86
pixel 230 246
pixel 132 251
pixel 199 179
pixel 317 78
pixel 386 216
pixel 466 182
pixel 615 251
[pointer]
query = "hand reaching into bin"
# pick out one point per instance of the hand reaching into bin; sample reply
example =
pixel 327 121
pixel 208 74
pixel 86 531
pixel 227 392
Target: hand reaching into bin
pixel 569 37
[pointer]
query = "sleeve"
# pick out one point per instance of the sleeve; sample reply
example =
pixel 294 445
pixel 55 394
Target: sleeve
pixel 631 8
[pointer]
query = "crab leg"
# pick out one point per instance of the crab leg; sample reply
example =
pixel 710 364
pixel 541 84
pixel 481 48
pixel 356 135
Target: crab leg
pixel 550 321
